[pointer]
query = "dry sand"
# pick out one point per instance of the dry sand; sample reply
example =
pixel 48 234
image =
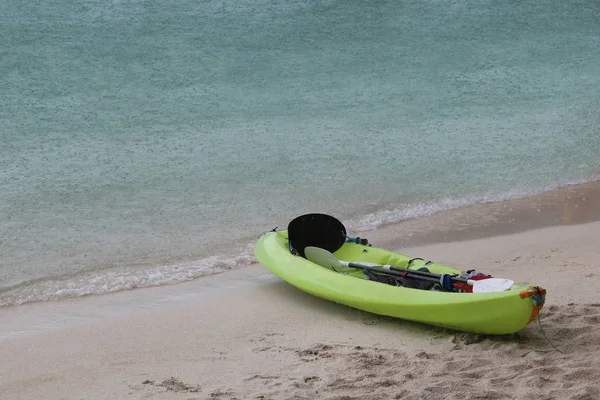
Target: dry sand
pixel 247 335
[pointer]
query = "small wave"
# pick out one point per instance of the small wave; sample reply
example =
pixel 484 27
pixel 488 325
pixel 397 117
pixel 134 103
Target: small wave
pixel 119 279
pixel 405 212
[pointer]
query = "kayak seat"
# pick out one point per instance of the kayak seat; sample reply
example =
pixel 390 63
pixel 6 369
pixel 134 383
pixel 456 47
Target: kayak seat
pixel 318 230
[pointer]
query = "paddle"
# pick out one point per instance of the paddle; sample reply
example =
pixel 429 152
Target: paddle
pixel 326 259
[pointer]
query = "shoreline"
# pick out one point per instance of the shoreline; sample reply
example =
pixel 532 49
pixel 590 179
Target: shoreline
pixel 573 204
pixel 568 205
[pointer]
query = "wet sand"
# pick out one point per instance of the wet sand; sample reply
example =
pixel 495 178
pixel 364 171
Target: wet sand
pixel 570 205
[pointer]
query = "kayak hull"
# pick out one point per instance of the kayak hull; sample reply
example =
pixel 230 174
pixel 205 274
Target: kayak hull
pixel 482 313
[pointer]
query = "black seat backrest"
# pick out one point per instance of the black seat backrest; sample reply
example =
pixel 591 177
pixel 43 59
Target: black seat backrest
pixel 319 230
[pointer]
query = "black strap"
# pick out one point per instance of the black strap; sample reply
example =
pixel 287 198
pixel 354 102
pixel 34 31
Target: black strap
pixel 381 278
pixel 411 261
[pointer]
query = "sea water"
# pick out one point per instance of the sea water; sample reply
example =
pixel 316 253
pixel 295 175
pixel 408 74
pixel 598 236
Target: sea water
pixel 150 142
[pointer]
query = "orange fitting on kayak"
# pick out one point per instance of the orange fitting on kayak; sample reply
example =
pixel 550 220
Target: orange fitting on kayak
pixel 535 312
pixel 537 305
pixel 532 292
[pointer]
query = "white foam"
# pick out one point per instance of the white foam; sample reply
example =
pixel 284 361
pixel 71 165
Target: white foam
pixel 118 279
pixel 410 211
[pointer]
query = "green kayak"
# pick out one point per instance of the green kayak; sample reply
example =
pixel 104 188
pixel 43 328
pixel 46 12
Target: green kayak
pixel 393 284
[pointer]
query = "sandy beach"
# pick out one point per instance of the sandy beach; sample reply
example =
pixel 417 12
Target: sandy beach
pixel 245 334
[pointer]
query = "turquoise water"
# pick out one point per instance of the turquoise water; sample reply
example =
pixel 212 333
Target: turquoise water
pixel 150 142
